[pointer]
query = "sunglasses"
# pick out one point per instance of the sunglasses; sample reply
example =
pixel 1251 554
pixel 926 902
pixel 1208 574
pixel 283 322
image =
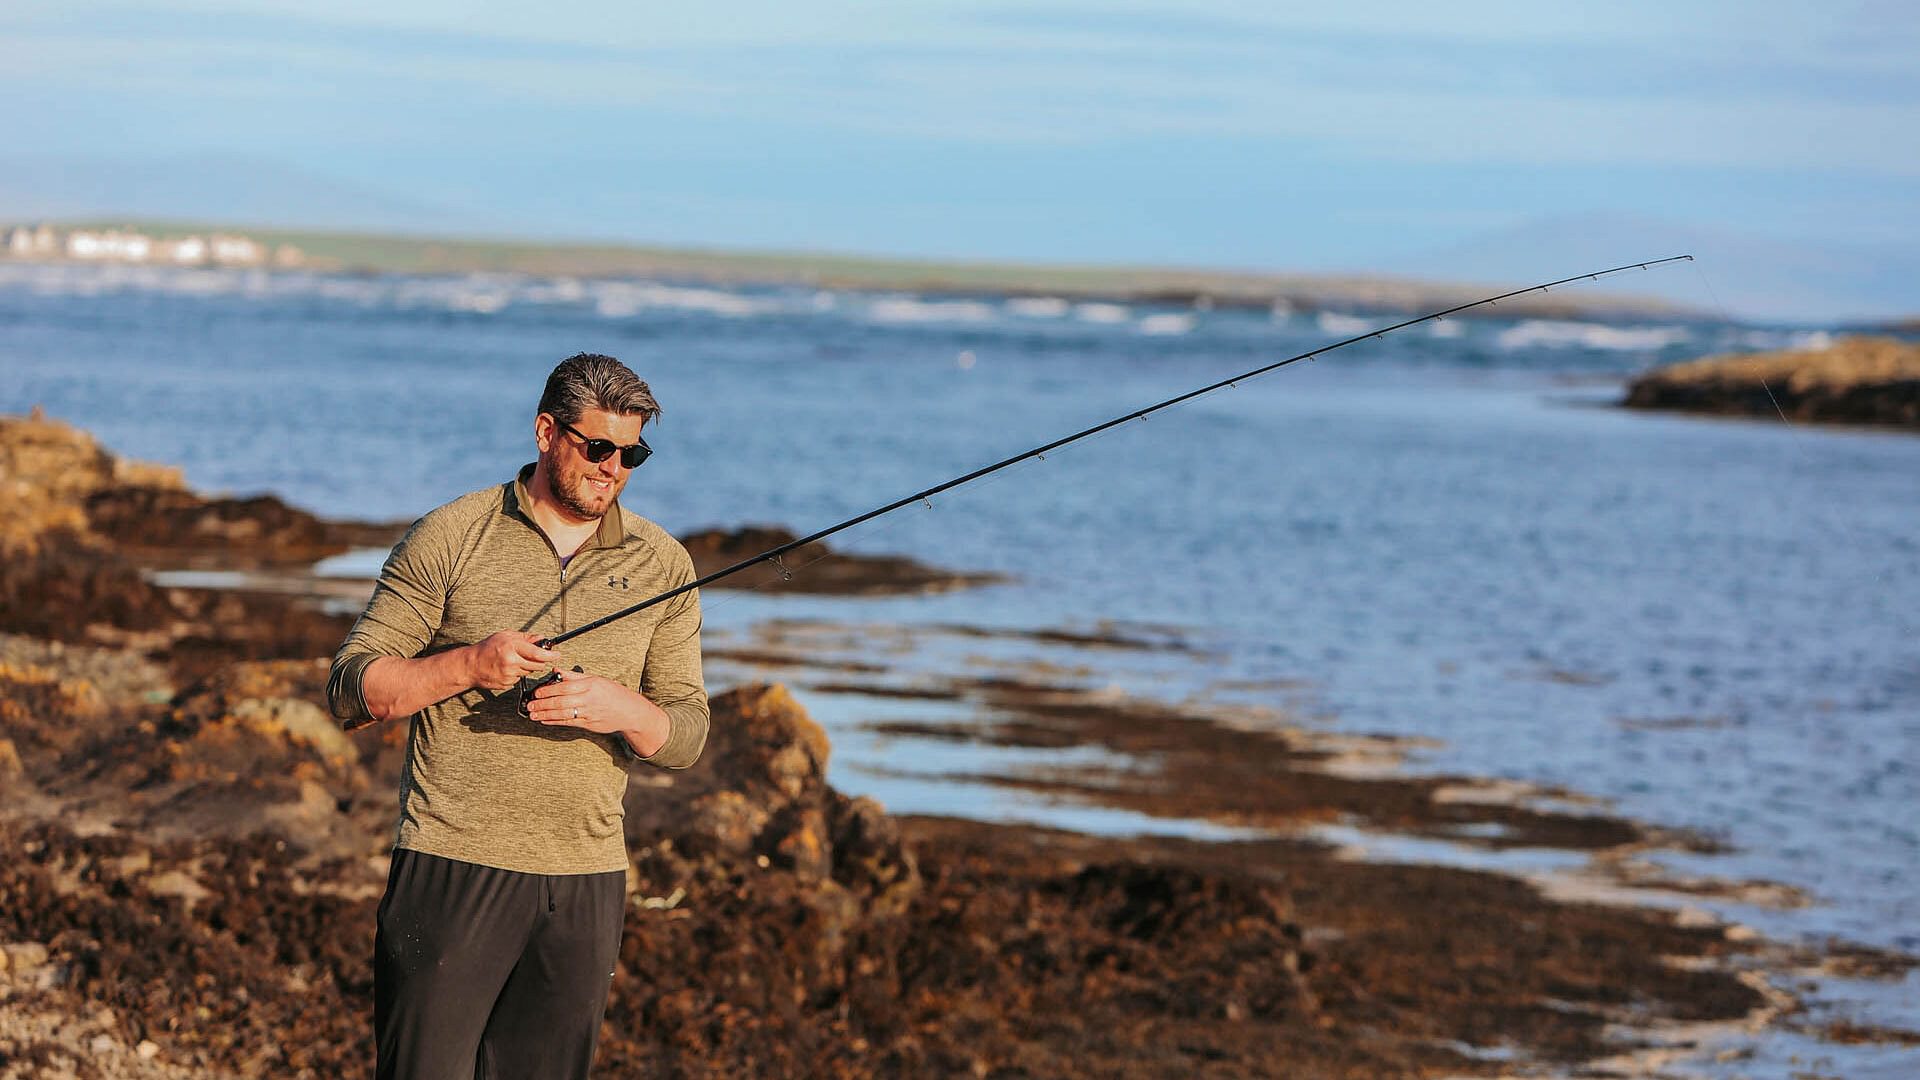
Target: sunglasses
pixel 598 450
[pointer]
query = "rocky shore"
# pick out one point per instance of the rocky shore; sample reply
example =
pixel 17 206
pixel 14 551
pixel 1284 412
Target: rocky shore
pixel 193 852
pixel 1856 380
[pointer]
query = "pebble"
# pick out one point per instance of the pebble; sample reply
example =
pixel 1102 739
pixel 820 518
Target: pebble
pixel 147 1050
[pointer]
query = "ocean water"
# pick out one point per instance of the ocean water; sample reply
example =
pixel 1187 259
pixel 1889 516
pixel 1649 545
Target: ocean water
pixel 1445 533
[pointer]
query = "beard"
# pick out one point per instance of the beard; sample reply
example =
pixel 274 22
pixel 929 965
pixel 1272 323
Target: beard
pixel 576 495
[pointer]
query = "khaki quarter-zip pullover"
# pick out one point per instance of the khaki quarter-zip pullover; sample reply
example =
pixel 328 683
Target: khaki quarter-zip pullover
pixel 482 784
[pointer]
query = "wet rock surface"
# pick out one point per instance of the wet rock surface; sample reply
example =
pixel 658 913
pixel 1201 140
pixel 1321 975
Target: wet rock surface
pixel 1857 380
pixel 191 855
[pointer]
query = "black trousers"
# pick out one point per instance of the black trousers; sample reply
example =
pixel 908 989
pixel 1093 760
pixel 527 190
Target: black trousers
pixel 481 973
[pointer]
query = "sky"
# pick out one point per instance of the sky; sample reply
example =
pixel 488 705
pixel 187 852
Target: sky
pixel 1371 136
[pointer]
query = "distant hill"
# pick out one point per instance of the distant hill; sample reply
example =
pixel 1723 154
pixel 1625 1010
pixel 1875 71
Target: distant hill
pixel 426 254
pixel 1754 277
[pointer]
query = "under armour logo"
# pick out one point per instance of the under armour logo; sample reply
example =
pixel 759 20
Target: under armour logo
pixel 616 583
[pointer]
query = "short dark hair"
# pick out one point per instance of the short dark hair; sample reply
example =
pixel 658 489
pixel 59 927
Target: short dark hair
pixel 592 381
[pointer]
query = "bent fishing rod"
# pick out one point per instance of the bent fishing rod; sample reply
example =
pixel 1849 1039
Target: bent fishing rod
pixel 1040 452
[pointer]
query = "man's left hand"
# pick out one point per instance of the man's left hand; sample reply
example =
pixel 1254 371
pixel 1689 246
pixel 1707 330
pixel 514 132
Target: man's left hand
pixel 598 704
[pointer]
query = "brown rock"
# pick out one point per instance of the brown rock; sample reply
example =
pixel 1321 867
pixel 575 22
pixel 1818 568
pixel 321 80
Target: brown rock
pixel 760 791
pixel 815 568
pixel 171 525
pixel 1857 380
pixel 48 469
pixel 66 586
pixel 770 742
pixel 724 822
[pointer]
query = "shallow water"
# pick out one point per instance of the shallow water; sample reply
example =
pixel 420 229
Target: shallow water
pixel 1712 624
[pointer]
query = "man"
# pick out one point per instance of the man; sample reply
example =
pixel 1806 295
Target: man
pixel 500 926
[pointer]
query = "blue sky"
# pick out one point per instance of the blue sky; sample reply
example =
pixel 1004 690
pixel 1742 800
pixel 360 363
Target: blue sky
pixel 1202 133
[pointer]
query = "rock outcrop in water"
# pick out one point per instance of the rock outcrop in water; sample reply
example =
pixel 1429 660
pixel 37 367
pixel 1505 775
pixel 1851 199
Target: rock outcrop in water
pixel 1857 380
pixel 817 568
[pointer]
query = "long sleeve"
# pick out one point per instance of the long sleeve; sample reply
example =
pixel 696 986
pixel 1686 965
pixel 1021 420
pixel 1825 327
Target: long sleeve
pixel 406 610
pixel 672 679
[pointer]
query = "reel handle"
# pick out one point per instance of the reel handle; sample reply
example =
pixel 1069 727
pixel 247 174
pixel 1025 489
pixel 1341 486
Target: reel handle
pixel 528 684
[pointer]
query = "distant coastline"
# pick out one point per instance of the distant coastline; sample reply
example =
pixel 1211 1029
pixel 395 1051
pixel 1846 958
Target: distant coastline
pixel 355 252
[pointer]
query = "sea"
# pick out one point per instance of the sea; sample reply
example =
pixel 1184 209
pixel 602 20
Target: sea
pixel 1449 533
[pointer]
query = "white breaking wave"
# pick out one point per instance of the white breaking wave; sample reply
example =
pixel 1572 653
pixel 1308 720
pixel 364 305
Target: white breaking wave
pixel 907 309
pixel 1785 339
pixel 621 299
pixel 1561 334
pixel 1166 324
pixel 484 294
pixel 1102 313
pixel 478 294
pixel 555 291
pixel 479 303
pixel 1333 322
pixel 1039 307
pixel 617 307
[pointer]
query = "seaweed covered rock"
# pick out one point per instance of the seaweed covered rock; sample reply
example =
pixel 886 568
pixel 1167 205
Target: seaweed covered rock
pixel 257 530
pixel 815 567
pixel 244 752
pixel 48 470
pixel 759 801
pixel 1856 380
pixel 84 527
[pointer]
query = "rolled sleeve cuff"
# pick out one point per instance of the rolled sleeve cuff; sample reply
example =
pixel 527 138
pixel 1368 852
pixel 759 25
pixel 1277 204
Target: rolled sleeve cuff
pixel 345 695
pixel 686 737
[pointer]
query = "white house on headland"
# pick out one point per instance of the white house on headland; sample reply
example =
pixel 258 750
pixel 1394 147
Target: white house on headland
pixel 127 246
pixel 36 242
pixel 111 245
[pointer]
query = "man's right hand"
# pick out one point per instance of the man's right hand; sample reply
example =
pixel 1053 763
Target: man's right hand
pixel 503 658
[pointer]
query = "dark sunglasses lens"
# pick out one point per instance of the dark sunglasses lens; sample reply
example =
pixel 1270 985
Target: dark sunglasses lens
pixel 632 456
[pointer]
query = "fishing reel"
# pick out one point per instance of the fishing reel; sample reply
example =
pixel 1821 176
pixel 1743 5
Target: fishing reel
pixel 523 694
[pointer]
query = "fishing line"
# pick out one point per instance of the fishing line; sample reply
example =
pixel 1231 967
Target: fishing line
pixel 1845 526
pixel 1039 452
pixel 1727 319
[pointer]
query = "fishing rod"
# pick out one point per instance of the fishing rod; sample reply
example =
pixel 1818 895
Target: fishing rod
pixel 773 554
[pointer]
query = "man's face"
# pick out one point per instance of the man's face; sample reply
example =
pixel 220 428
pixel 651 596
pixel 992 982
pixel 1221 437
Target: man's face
pixel 584 489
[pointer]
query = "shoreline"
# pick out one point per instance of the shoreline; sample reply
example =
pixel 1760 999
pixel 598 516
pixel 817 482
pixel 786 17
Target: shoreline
pixel 174 776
